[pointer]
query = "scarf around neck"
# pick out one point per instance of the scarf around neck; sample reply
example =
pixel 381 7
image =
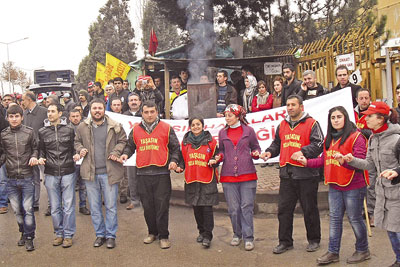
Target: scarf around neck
pixel 262 98
pixel 196 141
pixel 150 128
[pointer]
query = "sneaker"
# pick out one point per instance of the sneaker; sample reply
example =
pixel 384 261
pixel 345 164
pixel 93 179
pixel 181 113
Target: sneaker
pixel 3 210
pixel 206 243
pixel 21 241
pixel 200 238
pixel 29 245
pixel 58 241
pixel 67 242
pixel 149 239
pixel 328 258
pixel 359 256
pixel 312 247
pixel 249 245
pixel 165 243
pixel 84 211
pixel 235 241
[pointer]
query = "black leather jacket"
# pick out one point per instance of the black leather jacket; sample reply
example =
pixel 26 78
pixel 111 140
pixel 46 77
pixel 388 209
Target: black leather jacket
pixel 18 145
pixel 56 145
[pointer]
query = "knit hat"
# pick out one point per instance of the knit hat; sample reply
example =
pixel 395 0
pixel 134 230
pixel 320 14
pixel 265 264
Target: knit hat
pixel 85 94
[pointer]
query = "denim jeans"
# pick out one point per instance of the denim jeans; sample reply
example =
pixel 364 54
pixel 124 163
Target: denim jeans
pixel 21 194
pixel 3 187
pixel 352 202
pixel 36 182
pixel 95 190
pixel 395 240
pixel 240 199
pixel 81 187
pixel 61 192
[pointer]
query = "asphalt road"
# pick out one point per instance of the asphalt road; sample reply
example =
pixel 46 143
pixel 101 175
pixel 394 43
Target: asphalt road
pixel 130 250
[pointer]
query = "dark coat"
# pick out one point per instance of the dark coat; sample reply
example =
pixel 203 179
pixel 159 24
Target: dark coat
pixel 291 89
pixel 35 119
pixel 311 93
pixel 200 194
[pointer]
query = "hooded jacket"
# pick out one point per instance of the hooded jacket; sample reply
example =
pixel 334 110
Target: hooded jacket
pixel 56 145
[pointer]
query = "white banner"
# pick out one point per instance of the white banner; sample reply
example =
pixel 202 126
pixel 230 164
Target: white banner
pixel 264 123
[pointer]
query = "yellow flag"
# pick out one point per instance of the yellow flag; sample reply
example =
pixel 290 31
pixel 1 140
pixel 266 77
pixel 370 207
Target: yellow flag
pixel 101 74
pixel 115 68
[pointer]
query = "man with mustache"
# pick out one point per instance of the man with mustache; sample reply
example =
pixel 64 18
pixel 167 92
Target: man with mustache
pixel 100 141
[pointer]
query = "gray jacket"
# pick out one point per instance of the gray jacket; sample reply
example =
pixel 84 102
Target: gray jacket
pixel 383 153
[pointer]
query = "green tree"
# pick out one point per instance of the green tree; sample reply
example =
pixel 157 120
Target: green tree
pixel 167 32
pixel 112 33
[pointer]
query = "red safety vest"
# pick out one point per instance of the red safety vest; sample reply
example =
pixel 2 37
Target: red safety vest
pixel 334 172
pixel 360 121
pixel 293 139
pixel 196 162
pixel 151 149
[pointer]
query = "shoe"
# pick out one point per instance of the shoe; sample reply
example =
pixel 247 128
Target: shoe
pixel 328 258
pixel 99 242
pixel 249 245
pixel 199 239
pixel 371 221
pixel 281 248
pixel 235 241
pixel 84 211
pixel 48 212
pixel 149 239
pixel 67 242
pixel 206 243
pixel 3 210
pixel 395 264
pixel 110 242
pixel 58 241
pixel 29 245
pixel 35 209
pixel 130 206
pixel 21 241
pixel 312 247
pixel 165 243
pixel 358 257
pixel 123 199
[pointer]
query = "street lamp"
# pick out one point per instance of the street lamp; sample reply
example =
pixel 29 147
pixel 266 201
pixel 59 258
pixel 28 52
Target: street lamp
pixel 8 60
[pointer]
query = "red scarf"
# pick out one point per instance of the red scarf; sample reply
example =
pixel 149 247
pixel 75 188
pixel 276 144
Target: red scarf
pixel 383 128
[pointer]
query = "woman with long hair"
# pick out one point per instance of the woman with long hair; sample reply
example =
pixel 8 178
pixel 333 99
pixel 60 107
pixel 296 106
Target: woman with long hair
pixel 347 185
pixel 383 156
pixel 198 148
pixel 263 100
pixel 238 145
pixel 277 93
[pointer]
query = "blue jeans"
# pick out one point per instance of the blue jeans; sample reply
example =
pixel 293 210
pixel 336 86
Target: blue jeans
pixel 61 192
pixel 352 202
pixel 3 187
pixel 36 181
pixel 95 190
pixel 21 194
pixel 81 186
pixel 395 240
pixel 240 199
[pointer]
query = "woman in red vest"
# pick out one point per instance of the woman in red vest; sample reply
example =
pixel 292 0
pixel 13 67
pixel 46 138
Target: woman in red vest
pixel 198 148
pixel 347 185
pixel 238 145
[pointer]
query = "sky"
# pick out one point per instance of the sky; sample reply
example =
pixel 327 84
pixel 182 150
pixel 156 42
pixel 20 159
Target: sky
pixel 57 32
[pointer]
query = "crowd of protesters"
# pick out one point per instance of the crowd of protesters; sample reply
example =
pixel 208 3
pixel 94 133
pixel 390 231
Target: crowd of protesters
pixel 77 146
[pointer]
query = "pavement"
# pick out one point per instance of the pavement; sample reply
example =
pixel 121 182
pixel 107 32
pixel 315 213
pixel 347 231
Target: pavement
pixel 130 250
pixel 267 191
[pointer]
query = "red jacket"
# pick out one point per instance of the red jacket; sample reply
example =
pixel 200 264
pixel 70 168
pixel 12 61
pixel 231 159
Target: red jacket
pixel 265 106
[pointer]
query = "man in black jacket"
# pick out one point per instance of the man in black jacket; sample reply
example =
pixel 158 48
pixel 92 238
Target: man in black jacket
pixel 310 88
pixel 19 151
pixel 157 152
pixel 56 151
pixel 298 135
pixel 34 116
pixel 342 75
pixel 291 85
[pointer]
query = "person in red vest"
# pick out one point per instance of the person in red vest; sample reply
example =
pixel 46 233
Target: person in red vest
pixel 298 135
pixel 198 150
pixel 157 152
pixel 347 185
pixel 238 146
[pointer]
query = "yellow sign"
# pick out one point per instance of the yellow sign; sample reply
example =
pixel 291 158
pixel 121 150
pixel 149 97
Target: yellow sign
pixel 115 68
pixel 100 74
